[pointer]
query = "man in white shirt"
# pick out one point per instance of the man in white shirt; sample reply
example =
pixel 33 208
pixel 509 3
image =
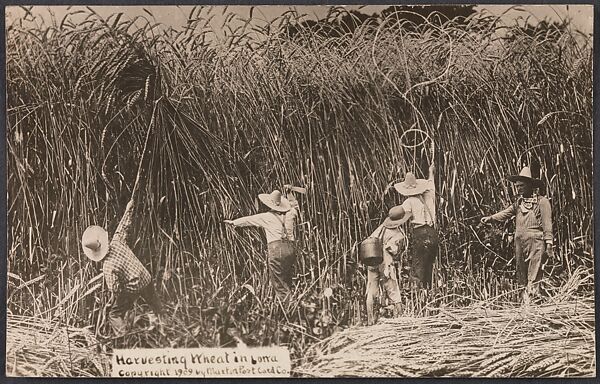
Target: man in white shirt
pixel 420 207
pixel 281 250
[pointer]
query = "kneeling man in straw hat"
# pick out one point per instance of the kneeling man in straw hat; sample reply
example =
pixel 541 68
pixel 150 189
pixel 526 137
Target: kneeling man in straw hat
pixel 393 239
pixel 280 244
pixel 533 230
pixel 125 276
pixel 419 207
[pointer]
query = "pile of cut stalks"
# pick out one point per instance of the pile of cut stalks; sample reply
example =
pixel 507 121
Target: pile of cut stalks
pixel 487 339
pixel 45 348
pixel 553 339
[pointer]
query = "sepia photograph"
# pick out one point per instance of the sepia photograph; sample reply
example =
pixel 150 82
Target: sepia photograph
pixel 307 191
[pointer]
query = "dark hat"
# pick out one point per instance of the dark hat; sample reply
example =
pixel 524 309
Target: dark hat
pixel 525 176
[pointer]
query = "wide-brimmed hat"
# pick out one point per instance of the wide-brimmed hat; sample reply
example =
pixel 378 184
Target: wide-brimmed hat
pixel 389 223
pixel 411 185
pixel 275 201
pixel 95 242
pixel 525 176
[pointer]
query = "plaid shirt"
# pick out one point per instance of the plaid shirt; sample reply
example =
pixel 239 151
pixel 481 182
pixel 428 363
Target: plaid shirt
pixel 122 270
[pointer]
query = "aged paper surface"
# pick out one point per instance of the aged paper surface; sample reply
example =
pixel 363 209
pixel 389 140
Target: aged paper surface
pixel 300 191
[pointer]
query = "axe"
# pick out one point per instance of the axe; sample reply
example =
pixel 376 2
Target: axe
pixel 289 187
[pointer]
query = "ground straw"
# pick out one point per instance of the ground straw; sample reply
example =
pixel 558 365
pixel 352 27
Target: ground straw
pixel 555 339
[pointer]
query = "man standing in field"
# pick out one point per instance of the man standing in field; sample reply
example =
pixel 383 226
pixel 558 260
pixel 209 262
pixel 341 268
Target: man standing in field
pixel 281 249
pixel 533 230
pixel 125 276
pixel 419 207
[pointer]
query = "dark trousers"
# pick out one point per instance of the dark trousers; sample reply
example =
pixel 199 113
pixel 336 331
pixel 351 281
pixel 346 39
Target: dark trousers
pixel 282 257
pixel 124 301
pixel 425 248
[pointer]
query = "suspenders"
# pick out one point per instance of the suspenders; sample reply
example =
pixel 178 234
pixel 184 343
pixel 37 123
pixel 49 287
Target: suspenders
pixel 428 211
pixel 281 218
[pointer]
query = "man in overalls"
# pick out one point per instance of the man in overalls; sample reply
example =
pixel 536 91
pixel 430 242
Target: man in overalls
pixel 533 231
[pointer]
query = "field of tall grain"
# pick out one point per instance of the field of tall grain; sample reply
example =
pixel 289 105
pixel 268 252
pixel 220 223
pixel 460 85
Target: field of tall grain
pixel 233 117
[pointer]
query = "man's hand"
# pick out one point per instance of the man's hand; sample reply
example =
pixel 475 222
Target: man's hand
pixel 550 251
pixel 432 171
pixel 230 222
pixel 486 219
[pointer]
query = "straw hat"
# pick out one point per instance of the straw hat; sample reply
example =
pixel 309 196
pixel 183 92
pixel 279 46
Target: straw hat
pixel 411 185
pixel 389 223
pixel 525 176
pixel 394 213
pixel 95 242
pixel 275 201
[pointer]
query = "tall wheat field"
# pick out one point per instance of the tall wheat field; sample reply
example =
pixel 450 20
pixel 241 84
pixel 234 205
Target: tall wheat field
pixel 241 111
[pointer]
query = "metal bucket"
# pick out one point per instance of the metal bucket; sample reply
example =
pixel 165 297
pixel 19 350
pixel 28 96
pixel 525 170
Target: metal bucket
pixel 370 252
